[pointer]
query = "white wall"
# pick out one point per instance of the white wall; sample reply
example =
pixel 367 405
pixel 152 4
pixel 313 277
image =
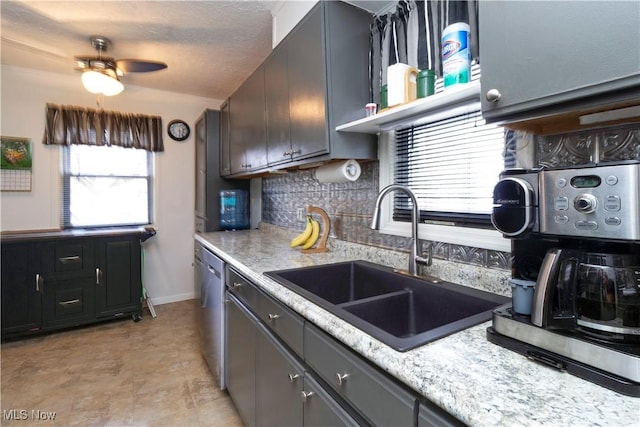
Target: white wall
pixel 286 15
pixel 168 270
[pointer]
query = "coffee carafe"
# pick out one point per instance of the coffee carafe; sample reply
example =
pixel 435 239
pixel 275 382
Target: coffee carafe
pixel 597 294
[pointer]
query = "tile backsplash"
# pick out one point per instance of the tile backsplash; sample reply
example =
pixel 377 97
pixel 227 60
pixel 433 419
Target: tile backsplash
pixel 350 205
pixel 611 144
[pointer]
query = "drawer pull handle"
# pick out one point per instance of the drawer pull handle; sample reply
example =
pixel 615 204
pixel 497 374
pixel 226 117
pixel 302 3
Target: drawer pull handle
pixel 71 301
pixel 39 281
pixel 273 317
pixel 293 377
pixel 236 285
pixel 306 395
pixel 341 378
pixel 69 259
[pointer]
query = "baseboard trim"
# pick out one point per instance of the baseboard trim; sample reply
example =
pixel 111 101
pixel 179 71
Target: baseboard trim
pixel 172 298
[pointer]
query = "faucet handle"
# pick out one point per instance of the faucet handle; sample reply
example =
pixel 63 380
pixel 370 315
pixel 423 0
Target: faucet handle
pixel 428 259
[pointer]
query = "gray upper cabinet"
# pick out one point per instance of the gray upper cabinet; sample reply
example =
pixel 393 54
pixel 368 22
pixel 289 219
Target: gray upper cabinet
pixel 247 138
pixel 307 86
pixel 225 160
pixel 315 79
pixel 277 107
pixel 547 58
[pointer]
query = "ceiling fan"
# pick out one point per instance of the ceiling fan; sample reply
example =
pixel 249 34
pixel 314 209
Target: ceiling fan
pixel 101 74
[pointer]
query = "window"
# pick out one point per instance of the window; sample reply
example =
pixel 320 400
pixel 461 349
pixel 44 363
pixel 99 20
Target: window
pixel 106 186
pixel 452 166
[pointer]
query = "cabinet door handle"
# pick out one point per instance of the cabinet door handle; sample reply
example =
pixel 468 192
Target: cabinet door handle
pixel 98 275
pixel 293 377
pixel 341 378
pixel 286 153
pixel 493 95
pixel 294 152
pixel 69 259
pixel 39 280
pixel 236 285
pixel 306 395
pixel 71 301
pixel 273 317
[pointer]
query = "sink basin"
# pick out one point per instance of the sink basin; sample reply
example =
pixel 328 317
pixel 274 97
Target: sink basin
pixel 402 311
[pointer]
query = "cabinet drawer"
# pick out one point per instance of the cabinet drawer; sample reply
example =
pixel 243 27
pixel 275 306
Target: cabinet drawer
pixel 242 288
pixel 284 322
pixel 69 302
pixel 377 397
pixel 68 258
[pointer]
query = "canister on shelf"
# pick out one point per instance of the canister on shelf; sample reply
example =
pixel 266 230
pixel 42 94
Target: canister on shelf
pixel 456 54
pixel 426 83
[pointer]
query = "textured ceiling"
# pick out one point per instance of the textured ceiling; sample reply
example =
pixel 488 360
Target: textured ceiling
pixel 210 47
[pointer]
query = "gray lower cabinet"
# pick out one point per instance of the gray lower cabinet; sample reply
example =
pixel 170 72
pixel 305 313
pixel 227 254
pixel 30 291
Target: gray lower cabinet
pixel 241 359
pixel 548 56
pixel 322 410
pixel 283 371
pixel 431 416
pixel 266 380
pixel 380 400
pixel 279 383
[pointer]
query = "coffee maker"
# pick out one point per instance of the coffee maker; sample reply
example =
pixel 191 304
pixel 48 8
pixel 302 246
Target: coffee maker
pixel 576 234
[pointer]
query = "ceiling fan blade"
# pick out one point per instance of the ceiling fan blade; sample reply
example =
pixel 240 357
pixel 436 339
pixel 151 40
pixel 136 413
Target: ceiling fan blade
pixel 139 65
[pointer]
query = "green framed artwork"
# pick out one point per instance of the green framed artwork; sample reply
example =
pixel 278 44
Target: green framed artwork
pixel 15 163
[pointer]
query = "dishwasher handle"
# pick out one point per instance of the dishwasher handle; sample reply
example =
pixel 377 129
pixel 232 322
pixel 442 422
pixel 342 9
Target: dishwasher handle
pixel 214 271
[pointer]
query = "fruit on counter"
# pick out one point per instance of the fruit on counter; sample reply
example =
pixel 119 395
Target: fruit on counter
pixel 315 232
pixel 304 236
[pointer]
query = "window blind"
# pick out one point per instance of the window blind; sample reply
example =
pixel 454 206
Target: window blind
pixel 452 166
pixel 106 186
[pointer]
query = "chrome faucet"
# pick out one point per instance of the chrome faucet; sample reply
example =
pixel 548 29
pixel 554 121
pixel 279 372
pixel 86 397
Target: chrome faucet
pixel 414 258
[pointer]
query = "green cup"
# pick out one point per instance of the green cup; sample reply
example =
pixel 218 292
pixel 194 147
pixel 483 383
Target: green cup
pixel 426 83
pixel 383 97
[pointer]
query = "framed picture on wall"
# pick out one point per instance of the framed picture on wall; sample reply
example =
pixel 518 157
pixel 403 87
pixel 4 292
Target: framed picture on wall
pixel 15 163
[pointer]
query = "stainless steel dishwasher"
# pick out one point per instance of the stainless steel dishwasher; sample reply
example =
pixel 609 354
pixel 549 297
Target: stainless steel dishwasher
pixel 209 282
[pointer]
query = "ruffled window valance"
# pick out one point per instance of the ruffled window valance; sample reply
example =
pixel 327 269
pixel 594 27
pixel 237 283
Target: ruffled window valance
pixel 66 125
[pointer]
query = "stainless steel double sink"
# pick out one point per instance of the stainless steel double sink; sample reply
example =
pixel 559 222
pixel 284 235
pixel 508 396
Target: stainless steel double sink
pixel 402 311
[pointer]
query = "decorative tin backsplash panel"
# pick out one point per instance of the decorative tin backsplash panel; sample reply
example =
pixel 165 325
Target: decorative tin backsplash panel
pixel 590 146
pixel 350 207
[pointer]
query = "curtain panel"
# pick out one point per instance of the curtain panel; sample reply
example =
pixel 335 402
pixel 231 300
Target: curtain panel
pixel 412 35
pixel 66 125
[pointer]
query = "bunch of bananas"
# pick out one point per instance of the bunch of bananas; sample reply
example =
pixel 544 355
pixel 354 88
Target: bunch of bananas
pixel 309 236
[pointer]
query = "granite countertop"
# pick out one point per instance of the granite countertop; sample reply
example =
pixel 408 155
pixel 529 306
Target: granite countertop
pixel 478 382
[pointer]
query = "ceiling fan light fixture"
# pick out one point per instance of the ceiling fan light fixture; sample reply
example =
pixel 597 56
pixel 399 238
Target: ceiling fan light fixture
pixel 102 82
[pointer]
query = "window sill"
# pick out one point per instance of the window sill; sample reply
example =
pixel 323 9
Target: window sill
pixel 474 237
pixel 454 101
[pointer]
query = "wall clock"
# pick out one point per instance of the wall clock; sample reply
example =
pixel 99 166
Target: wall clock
pixel 178 130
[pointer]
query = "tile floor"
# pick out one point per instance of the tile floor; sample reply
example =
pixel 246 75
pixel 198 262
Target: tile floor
pixel 117 373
